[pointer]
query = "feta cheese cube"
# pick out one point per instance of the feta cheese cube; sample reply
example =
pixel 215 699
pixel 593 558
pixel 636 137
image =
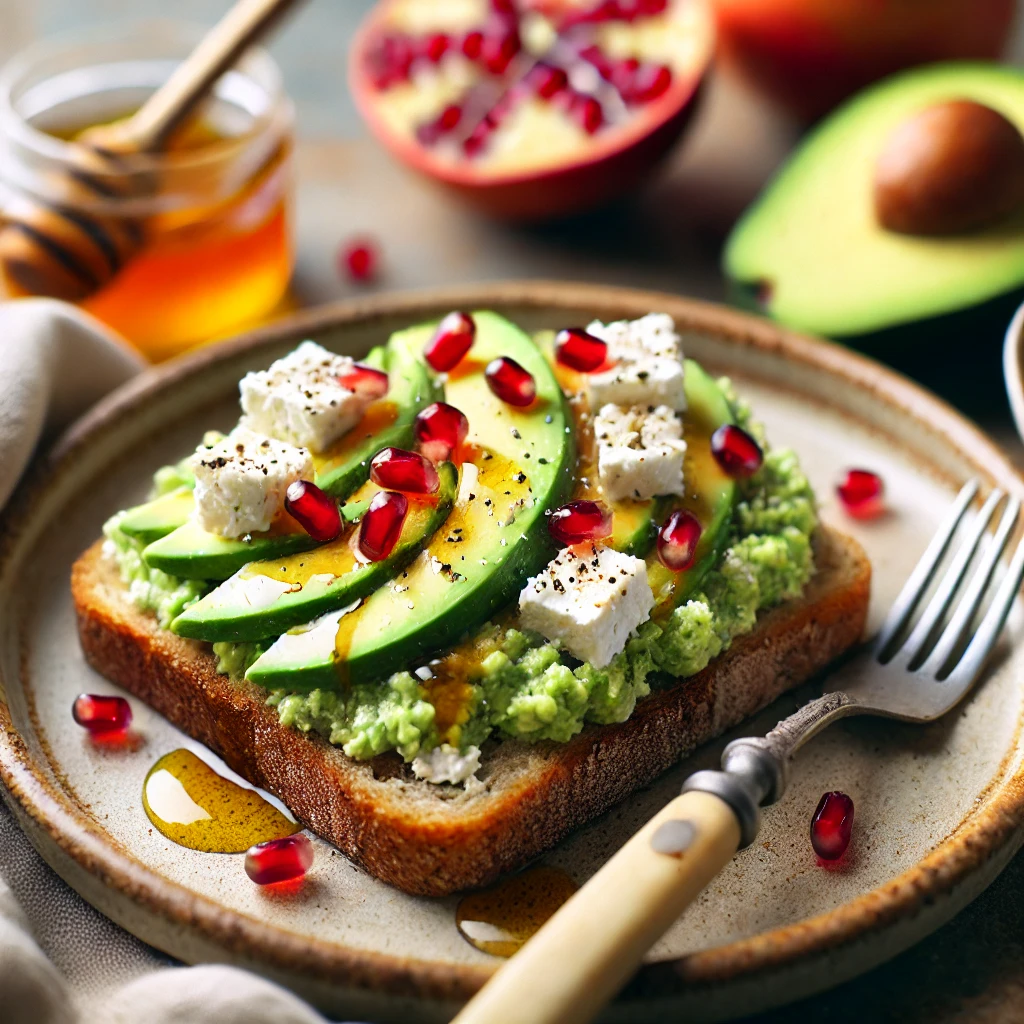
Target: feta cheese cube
pixel 241 481
pixel 300 400
pixel 648 363
pixel 588 599
pixel 639 451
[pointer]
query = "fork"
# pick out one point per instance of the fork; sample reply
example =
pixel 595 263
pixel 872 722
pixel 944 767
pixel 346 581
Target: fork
pixel 914 672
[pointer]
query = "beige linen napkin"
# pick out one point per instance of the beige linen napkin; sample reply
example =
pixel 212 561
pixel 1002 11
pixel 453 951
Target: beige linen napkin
pixel 61 961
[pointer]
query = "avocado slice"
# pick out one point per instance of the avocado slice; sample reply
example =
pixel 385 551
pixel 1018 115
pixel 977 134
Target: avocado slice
pixel 265 598
pixel 191 552
pixel 519 464
pixel 811 253
pixel 159 517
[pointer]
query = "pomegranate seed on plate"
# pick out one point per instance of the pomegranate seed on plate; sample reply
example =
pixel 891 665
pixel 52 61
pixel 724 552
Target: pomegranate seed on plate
pixel 832 826
pixel 381 525
pixel 580 350
pixel 359 259
pixel 451 341
pixel 279 860
pixel 365 380
pixel 736 451
pixel 102 715
pixel 677 540
pixel 316 512
pixel 510 381
pixel 399 470
pixel 440 430
pixel 579 521
pixel 861 494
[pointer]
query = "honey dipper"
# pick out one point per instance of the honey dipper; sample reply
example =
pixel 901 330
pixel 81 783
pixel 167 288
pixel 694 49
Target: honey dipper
pixel 60 250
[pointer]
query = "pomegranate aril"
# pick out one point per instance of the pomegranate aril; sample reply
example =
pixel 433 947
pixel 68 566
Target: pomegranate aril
pixel 367 381
pixel 102 715
pixel 579 521
pixel 832 825
pixel 861 494
pixel 440 430
pixel 511 382
pixel 546 80
pixel 580 350
pixel 358 259
pixel 316 512
pixel 400 470
pixel 498 49
pixel 381 525
pixel 451 341
pixel 279 860
pixel 678 539
pixel 736 451
pixel 435 46
pixel 647 83
pixel 587 112
pixel 472 44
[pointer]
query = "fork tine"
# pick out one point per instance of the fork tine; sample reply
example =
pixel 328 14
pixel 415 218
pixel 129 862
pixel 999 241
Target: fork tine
pixel 916 644
pixel 973 661
pixel 963 616
pixel 904 605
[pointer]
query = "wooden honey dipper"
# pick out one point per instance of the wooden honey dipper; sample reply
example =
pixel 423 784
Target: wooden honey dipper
pixel 62 251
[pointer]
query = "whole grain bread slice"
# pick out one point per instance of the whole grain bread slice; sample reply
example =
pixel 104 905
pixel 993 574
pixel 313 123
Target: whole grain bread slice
pixel 434 840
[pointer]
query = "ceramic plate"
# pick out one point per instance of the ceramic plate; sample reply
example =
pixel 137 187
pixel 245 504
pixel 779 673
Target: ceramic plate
pixel 939 809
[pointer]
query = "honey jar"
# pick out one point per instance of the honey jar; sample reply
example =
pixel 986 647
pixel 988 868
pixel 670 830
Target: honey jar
pixel 212 209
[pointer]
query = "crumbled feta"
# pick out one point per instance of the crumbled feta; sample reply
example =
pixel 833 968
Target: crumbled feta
pixel 241 481
pixel 589 598
pixel 446 764
pixel 648 366
pixel 639 451
pixel 300 400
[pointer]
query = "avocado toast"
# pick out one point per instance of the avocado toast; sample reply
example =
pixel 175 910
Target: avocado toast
pixel 449 710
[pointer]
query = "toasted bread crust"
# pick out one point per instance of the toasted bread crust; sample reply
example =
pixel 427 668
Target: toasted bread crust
pixel 431 840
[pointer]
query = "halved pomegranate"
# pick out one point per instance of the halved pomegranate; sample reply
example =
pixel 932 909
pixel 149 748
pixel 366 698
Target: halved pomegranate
pixel 531 108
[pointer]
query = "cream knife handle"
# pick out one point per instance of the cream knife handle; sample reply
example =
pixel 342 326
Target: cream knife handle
pixel 588 950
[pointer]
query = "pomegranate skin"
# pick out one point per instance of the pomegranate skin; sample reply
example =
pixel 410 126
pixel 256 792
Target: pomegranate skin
pixel 601 173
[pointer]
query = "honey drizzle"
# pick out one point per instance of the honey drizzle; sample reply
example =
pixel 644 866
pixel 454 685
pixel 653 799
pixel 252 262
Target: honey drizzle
pixel 193 806
pixel 378 416
pixel 501 919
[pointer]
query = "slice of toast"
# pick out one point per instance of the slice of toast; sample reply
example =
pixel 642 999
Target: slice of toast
pixel 434 840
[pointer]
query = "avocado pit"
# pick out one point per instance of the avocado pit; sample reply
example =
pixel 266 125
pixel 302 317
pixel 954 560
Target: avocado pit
pixel 954 167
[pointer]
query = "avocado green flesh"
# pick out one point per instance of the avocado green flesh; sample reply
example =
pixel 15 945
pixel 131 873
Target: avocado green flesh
pixel 191 552
pixel 811 242
pixel 494 539
pixel 305 585
pixel 159 517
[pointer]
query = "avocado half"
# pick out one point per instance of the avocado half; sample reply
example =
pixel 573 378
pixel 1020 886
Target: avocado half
pixel 810 253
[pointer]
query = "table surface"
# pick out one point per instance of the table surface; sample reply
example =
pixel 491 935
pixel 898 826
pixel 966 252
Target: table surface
pixel 666 237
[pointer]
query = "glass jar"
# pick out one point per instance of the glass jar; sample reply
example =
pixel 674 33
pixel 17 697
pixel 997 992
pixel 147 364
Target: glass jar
pixel 212 210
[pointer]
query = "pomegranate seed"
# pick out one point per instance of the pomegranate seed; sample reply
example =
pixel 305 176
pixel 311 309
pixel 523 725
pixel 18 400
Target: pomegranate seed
pixel 580 350
pixel 648 83
pixel 497 50
pixel 677 540
pixel 510 381
pixel 279 860
pixel 445 123
pixel 435 46
pixel 367 381
pixel 546 80
pixel 382 525
pixel 451 341
pixel 579 521
pixel 359 260
pixel 472 44
pixel 861 494
pixel 832 825
pixel 316 512
pixel 587 112
pixel 736 451
pixel 103 716
pixel 440 430
pixel 400 470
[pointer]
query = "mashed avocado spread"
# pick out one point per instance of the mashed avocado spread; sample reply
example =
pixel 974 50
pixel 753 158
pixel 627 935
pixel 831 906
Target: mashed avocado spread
pixel 526 688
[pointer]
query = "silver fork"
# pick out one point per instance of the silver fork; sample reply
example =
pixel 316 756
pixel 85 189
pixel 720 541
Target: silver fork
pixel 914 672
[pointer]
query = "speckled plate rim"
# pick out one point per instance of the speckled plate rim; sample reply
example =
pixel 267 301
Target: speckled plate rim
pixel 952 874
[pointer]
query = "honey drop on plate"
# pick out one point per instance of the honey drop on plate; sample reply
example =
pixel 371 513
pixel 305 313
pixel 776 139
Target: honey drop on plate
pixel 190 804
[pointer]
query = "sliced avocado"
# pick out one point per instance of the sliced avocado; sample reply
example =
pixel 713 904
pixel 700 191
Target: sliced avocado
pixel 811 252
pixel 519 464
pixel 159 517
pixel 266 598
pixel 191 552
